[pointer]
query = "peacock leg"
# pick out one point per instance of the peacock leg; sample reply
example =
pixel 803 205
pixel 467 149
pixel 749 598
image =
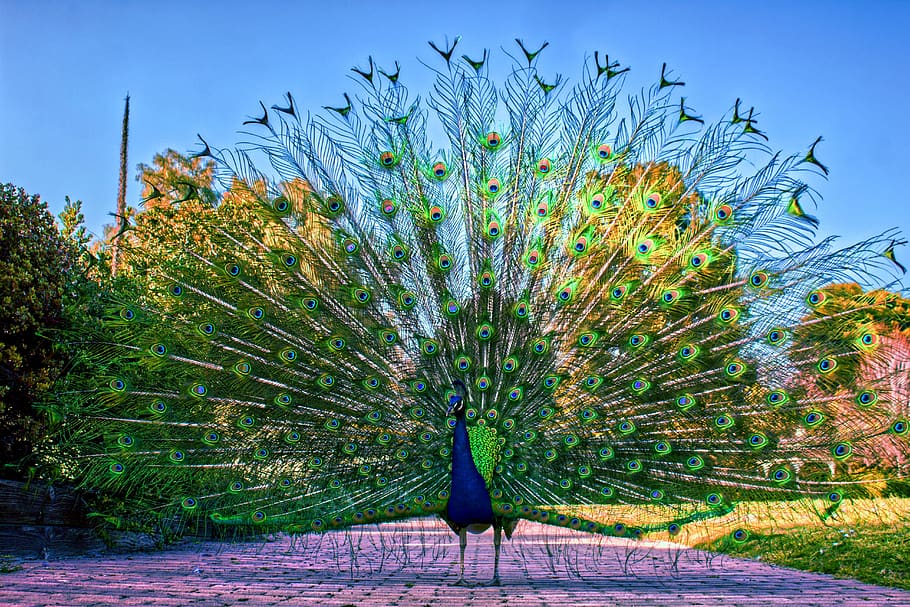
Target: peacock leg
pixel 497 540
pixel 463 540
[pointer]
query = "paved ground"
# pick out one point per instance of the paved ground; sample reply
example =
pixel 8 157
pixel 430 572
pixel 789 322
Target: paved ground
pixel 414 565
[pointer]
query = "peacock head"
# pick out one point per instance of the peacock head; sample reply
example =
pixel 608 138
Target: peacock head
pixel 456 406
pixel 457 400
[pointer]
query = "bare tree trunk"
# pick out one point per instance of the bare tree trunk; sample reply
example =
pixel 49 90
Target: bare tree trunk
pixel 121 191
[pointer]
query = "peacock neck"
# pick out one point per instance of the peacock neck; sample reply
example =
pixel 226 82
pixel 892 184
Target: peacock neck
pixel 462 460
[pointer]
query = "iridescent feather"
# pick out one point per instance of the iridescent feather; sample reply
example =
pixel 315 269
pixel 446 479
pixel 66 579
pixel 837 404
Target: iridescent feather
pixel 624 300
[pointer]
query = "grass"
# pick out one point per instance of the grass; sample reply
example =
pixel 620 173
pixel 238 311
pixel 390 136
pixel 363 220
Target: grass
pixel 9 564
pixel 870 553
pixel 867 540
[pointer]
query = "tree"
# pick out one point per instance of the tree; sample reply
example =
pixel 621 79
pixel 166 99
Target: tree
pixel 121 188
pixel 177 197
pixel 35 260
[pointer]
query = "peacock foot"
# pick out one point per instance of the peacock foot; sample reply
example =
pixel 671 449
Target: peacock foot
pixel 462 582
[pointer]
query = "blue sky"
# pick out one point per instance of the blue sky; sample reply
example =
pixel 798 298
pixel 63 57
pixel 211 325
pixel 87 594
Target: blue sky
pixel 838 69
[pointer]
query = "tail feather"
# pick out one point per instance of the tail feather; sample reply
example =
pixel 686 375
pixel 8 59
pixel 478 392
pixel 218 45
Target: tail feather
pixel 637 320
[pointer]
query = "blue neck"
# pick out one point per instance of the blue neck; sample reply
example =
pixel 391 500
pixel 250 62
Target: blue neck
pixel 469 500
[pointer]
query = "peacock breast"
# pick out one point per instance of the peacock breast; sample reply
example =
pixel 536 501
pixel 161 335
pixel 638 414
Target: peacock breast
pixel 469 498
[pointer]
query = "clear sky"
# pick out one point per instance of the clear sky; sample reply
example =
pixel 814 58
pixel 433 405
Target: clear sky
pixel 838 69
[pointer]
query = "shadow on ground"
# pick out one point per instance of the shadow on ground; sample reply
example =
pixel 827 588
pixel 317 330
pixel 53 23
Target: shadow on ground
pixel 413 564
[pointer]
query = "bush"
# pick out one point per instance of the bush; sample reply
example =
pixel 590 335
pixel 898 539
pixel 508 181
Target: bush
pixel 35 262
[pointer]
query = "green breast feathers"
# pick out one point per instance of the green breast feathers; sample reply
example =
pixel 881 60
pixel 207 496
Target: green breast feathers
pixel 486 449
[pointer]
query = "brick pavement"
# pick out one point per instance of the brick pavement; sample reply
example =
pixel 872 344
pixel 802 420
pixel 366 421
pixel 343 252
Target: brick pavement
pixel 412 564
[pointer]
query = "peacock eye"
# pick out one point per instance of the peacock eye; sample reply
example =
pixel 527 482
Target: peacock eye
pixel 334 205
pixel 387 159
pixel 758 279
pixel 775 336
pixel 310 303
pixel 688 352
pixel 645 247
pixel 827 365
pixel 777 397
pixel 728 315
pixel 866 398
pixel 493 229
pixel 842 450
pixel 281 204
pixel 735 369
pixel 815 298
pixel 723 213
pixel 388 207
pixel 698 260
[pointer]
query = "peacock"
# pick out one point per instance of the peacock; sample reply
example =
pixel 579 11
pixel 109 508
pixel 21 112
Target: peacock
pixel 609 317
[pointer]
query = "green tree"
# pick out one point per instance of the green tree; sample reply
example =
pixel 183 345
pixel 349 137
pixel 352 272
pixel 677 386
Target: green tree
pixel 35 262
pixel 177 199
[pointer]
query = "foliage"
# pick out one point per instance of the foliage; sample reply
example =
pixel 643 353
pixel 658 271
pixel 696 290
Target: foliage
pixel 34 267
pixel 177 198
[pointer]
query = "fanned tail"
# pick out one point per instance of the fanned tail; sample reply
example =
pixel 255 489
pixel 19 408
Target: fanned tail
pixel 638 318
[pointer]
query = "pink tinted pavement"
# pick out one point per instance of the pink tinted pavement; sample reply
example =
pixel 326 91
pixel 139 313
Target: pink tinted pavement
pixel 413 564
